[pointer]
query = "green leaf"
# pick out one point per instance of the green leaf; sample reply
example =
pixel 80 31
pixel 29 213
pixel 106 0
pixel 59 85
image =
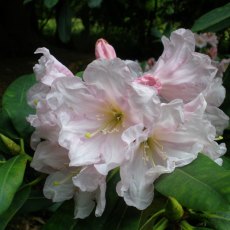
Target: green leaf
pixel 6 126
pixel 201 185
pixel 11 177
pixel 80 74
pixel 214 20
pixel 50 3
pixel 62 218
pixel 15 104
pixel 94 3
pixel 19 199
pixel 220 220
pixel 36 202
pixel 226 162
pixel 64 24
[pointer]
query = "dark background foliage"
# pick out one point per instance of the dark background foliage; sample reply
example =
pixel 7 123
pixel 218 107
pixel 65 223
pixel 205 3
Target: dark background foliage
pixel 133 27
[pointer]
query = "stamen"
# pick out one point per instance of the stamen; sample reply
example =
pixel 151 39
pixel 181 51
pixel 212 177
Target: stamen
pixel 68 177
pixel 108 127
pixel 151 147
pixel 219 138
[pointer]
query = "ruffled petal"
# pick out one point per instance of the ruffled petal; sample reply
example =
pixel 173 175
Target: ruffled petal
pixel 49 157
pixel 59 186
pixel 49 68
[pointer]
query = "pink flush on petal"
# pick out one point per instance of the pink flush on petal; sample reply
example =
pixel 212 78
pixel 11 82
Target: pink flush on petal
pixel 104 50
pixel 149 80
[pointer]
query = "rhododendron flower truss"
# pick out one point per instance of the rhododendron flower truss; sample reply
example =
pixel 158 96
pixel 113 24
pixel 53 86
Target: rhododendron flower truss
pixel 173 140
pixel 143 123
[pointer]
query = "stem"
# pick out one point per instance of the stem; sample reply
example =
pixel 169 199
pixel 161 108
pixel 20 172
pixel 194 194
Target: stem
pixel 22 150
pixel 34 182
pixel 152 218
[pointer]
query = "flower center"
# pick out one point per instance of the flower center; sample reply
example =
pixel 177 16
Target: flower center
pixel 113 123
pixel 152 149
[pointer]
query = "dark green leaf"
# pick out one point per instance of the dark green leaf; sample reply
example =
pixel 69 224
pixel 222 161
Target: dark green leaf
pixel 220 221
pixel 226 162
pixel 217 18
pixel 19 199
pixel 50 3
pixel 64 25
pixel 15 104
pixel 62 218
pixel 94 3
pixel 36 202
pixel 201 185
pixel 11 176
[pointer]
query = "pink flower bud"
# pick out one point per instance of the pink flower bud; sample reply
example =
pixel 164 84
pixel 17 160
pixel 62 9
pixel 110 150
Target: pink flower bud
pixel 149 80
pixel 104 50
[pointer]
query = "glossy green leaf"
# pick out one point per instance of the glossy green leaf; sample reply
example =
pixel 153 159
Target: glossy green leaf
pixel 19 199
pixel 15 104
pixel 214 20
pixel 64 25
pixel 201 185
pixel 6 126
pixel 220 221
pixel 50 3
pixel 62 218
pixel 11 177
pixel 226 162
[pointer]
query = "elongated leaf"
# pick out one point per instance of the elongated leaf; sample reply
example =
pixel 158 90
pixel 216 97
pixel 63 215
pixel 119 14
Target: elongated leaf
pixel 36 202
pixel 15 103
pixel 94 3
pixel 11 177
pixel 220 221
pixel 50 3
pixel 62 218
pixel 18 201
pixel 226 162
pixel 201 185
pixel 214 20
pixel 6 126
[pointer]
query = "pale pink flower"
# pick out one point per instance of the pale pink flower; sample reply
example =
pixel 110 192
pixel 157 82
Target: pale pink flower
pixel 104 50
pixel 90 186
pixel 49 68
pixel 200 41
pixel 210 38
pixel 174 140
pixel 182 72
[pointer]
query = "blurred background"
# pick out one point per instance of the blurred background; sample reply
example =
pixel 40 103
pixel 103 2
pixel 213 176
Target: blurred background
pixel 70 28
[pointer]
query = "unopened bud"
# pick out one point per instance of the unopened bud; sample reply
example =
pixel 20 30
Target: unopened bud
pixel 104 50
pixel 174 210
pixel 11 145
